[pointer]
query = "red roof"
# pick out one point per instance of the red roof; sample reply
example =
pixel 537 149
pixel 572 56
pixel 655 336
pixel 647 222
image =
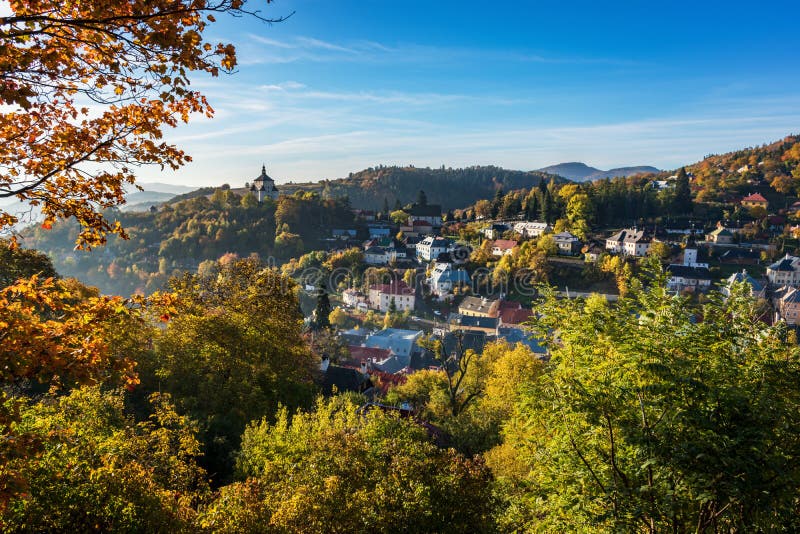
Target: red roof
pixel 420 222
pixel 755 197
pixel 365 353
pixel 505 244
pixel 398 287
pixel 515 316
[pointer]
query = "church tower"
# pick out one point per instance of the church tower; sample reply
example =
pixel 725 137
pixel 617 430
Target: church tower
pixel 264 186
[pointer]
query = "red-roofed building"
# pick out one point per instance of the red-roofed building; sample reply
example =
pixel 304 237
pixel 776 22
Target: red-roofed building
pixel 512 313
pixel 503 247
pixel 360 354
pixel 381 296
pixel 756 200
pixel 515 317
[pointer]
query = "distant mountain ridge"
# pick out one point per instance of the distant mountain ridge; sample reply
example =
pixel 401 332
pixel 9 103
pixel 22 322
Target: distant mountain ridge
pixel 580 172
pixel 450 188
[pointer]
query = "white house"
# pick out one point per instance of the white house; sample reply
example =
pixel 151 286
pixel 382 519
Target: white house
pixel 503 247
pixel 532 229
pixel 429 248
pixel 444 278
pixel 353 298
pixel 785 272
pixel 430 213
pixel 381 296
pixel 688 278
pixel 630 241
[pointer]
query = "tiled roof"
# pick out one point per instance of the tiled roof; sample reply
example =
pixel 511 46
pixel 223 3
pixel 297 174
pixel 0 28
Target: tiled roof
pixel 755 197
pixel 519 316
pixel 364 353
pixel 398 287
pixel 504 244
pixel 689 272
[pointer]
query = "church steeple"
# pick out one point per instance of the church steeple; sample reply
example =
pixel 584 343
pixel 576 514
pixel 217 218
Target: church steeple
pixel 263 170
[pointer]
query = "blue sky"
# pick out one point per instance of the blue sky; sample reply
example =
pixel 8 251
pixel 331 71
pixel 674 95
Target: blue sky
pixel 345 85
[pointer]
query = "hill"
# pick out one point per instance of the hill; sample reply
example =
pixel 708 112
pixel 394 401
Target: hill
pixel 580 172
pixel 451 188
pixel 771 169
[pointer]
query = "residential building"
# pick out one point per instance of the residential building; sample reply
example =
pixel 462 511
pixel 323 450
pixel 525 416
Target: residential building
pixel 495 230
pixel 756 200
pixel 512 313
pixel 468 323
pixel 378 230
pixel 503 247
pixel 353 297
pixel 757 289
pixel 376 256
pixel 786 302
pixel 688 278
pixel 533 229
pixel 264 187
pixel 429 248
pixel 720 236
pixel 430 213
pixel 444 277
pixel 417 228
pixel 381 296
pixel 365 215
pixel 785 272
pixel 567 243
pixel 690 258
pixel 479 307
pixel 343 233
pixel 400 342
pixel 592 251
pixel 630 241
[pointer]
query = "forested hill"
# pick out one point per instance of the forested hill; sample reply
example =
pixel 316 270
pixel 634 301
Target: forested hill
pixel 452 188
pixel 771 168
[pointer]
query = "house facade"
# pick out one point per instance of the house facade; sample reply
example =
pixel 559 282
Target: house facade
pixel 785 272
pixel 533 229
pixel 430 213
pixel 382 296
pixel 479 307
pixel 503 247
pixel 756 200
pixel 630 242
pixel 429 248
pixel 444 277
pixel 688 278
pixel 720 236
pixel 567 244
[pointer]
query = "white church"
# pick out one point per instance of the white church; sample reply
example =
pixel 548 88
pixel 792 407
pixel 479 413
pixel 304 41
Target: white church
pixel 264 186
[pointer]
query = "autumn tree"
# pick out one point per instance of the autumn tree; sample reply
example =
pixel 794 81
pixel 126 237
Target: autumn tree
pixel 100 470
pixel 17 263
pixel 88 89
pixel 232 353
pixel 344 469
pixel 57 334
pixel 656 416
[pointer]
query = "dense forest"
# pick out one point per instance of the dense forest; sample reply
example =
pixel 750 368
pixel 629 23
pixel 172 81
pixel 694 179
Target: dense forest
pixel 183 234
pixel 450 188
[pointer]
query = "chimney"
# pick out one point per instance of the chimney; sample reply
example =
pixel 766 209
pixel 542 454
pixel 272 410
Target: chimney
pixel 323 365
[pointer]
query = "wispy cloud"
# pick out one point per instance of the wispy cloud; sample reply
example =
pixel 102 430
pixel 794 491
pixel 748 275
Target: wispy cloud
pixel 302 48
